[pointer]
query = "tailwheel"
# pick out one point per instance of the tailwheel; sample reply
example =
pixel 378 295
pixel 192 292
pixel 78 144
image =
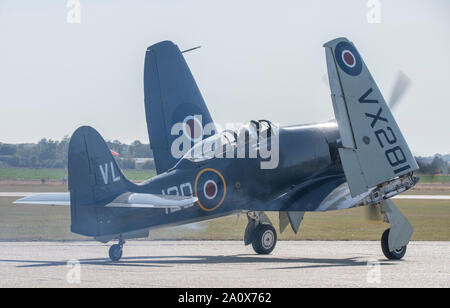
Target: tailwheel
pixel 116 250
pixel 396 254
pixel 264 239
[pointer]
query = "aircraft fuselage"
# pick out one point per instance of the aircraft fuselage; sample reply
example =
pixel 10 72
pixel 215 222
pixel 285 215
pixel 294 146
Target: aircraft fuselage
pixel 227 185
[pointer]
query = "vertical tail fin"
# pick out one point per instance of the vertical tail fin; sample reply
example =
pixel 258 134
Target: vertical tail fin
pixel 171 96
pixel 94 178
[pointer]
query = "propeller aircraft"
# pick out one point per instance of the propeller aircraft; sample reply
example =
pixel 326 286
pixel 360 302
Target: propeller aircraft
pixel 359 159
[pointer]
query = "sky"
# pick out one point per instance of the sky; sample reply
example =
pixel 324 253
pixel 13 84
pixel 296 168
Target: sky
pixel 259 60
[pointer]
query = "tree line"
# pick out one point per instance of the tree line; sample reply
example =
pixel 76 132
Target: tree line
pixel 48 153
pixel 438 164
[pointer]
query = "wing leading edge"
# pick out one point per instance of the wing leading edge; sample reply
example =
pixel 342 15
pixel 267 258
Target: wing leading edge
pixel 126 200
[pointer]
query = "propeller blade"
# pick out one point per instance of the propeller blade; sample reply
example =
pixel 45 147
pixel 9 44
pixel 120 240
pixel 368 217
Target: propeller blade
pixel 373 214
pixel 325 80
pixel 402 84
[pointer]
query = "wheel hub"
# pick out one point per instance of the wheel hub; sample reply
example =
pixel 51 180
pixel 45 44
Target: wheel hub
pixel 267 239
pixel 400 250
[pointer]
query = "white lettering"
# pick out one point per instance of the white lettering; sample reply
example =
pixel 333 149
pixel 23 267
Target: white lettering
pixel 113 174
pixel 104 173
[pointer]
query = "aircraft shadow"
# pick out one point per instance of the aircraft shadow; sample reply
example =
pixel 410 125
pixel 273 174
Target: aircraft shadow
pixel 170 261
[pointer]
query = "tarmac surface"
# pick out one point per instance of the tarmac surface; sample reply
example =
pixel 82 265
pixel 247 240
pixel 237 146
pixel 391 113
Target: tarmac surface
pixel 222 264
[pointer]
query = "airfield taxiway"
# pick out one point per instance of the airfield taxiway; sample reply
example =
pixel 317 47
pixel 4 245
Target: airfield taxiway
pixel 222 264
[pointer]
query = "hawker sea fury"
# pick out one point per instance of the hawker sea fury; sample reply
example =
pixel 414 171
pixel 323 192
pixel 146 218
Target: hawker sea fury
pixel 360 159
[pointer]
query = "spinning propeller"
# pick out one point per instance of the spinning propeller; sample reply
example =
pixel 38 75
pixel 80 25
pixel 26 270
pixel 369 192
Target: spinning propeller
pixel 401 86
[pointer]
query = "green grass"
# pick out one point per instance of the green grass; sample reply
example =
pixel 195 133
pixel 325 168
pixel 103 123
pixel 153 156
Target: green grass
pixel 57 174
pixel 443 178
pixel 31 174
pixel 134 175
pixel 430 218
pixel 139 175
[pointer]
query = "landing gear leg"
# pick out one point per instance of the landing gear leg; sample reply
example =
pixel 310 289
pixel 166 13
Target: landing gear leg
pixel 395 240
pixel 115 252
pixel 260 233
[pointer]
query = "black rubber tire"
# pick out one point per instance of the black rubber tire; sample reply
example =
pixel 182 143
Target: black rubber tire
pixel 391 255
pixel 264 239
pixel 115 252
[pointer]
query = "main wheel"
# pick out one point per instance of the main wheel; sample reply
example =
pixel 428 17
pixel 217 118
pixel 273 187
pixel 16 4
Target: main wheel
pixel 115 252
pixel 264 239
pixel 391 255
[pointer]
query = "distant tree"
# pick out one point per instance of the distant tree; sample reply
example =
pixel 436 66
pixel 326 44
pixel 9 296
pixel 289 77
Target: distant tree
pixel 424 167
pixel 438 165
pixel 7 149
pixel 126 163
pixel 148 165
pixel 138 149
pixel 48 153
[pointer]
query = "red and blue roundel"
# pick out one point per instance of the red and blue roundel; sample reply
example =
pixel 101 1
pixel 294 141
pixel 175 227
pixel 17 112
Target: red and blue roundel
pixel 193 128
pixel 348 58
pixel 210 189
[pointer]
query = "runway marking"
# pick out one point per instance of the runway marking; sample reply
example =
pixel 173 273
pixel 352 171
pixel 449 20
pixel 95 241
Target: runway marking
pixel 16 194
pixel 423 197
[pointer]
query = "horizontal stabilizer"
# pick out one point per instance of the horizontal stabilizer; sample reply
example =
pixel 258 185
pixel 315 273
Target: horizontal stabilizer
pixel 135 200
pixel 46 199
pixel 126 200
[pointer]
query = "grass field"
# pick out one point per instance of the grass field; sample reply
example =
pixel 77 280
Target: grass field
pixel 430 218
pixel 134 175
pixel 58 174
pixel 443 178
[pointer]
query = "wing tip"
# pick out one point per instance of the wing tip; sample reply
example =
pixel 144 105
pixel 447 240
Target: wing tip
pixel 335 41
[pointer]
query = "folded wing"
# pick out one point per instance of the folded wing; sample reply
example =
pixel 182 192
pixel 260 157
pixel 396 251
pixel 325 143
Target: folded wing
pixel 373 149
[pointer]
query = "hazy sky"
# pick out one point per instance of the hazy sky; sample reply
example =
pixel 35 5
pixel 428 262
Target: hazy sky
pixel 259 60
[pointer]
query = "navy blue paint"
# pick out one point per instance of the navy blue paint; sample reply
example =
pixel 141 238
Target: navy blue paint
pixel 306 171
pixel 353 71
pixel 171 95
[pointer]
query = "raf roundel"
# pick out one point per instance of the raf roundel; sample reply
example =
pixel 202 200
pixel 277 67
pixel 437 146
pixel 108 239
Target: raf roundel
pixel 210 189
pixel 192 128
pixel 348 58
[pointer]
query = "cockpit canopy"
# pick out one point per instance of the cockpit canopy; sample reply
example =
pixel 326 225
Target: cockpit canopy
pixel 223 144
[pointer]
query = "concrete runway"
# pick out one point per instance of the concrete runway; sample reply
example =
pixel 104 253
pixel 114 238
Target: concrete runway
pixel 222 264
